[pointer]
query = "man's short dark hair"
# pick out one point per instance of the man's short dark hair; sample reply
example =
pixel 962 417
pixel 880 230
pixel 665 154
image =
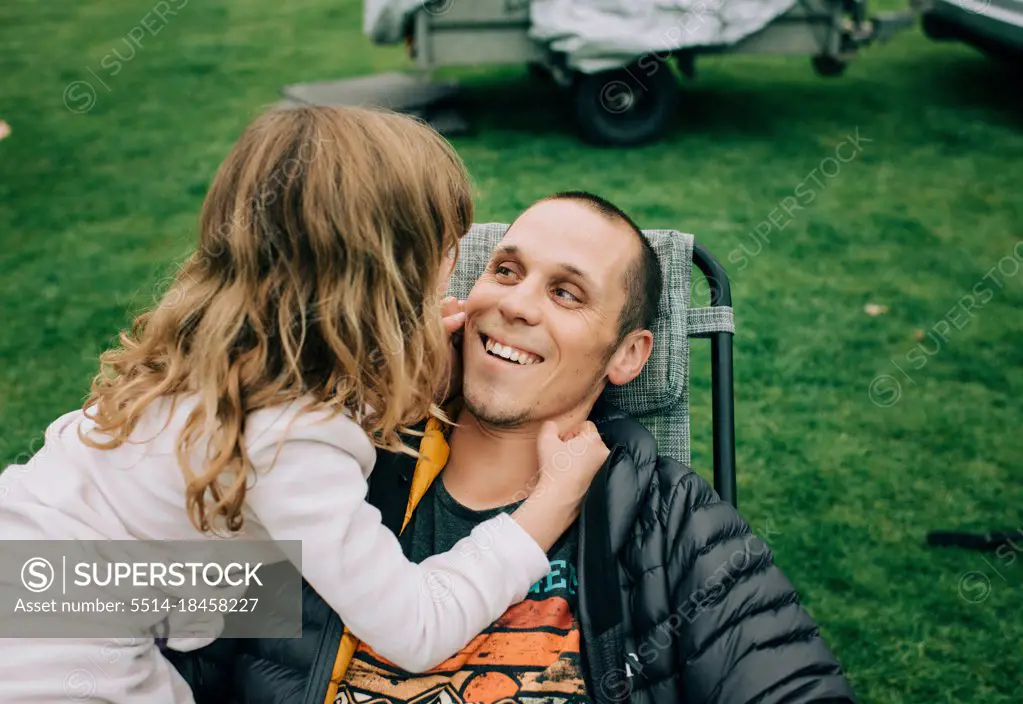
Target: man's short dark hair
pixel 643 280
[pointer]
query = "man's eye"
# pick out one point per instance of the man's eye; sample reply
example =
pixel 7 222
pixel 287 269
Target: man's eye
pixel 559 291
pixel 501 270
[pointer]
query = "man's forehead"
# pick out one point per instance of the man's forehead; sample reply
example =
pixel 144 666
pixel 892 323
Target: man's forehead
pixel 570 233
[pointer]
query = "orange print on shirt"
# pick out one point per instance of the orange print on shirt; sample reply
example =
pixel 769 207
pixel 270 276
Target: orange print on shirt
pixel 530 654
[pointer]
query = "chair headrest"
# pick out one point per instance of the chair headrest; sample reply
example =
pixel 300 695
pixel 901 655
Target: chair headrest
pixel 664 379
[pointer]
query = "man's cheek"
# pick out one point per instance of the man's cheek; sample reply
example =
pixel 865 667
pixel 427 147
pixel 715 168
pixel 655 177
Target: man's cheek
pixel 469 337
pixel 481 297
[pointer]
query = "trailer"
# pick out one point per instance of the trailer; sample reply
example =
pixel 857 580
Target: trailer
pixel 633 103
pixel 619 79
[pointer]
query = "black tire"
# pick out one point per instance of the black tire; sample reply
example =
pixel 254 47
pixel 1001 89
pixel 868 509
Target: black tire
pixel 937 28
pixel 625 107
pixel 538 72
pixel 828 66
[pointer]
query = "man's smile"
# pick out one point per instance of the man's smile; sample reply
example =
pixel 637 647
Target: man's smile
pixel 508 352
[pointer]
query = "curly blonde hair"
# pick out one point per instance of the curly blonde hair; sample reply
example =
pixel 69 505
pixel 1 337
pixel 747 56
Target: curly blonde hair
pixel 317 274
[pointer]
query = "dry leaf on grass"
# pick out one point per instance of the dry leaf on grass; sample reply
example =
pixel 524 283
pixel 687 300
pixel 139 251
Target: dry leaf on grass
pixel 875 309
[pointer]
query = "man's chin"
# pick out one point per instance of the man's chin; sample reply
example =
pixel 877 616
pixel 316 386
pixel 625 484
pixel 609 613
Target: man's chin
pixel 488 411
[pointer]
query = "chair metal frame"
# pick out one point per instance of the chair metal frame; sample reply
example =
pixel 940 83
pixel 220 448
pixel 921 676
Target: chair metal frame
pixel 722 378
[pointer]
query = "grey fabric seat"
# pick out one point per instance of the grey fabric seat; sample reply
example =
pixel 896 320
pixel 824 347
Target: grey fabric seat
pixel 659 396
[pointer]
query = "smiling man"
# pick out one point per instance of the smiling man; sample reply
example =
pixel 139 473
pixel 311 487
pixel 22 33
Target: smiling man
pixel 563 308
pixel 660 592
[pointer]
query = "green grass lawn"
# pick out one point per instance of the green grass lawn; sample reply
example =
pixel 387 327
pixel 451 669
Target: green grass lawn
pixel 96 207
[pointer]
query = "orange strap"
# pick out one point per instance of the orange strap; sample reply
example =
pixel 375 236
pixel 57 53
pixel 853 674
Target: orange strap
pixel 433 455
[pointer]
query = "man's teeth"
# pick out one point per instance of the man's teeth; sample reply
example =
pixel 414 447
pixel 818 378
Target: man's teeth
pixel 512 354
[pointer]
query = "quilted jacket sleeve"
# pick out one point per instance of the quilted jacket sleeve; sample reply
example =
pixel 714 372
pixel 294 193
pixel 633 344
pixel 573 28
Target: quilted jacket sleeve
pixel 252 670
pixel 207 670
pixel 743 635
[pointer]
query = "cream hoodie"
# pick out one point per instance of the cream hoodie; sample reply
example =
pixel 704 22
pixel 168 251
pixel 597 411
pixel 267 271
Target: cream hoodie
pixel 314 492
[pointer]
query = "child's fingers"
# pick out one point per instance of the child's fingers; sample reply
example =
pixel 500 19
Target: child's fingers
pixel 450 306
pixel 453 323
pixel 587 431
pixel 574 433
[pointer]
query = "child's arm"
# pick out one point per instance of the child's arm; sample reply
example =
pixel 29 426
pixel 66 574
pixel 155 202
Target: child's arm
pixel 414 615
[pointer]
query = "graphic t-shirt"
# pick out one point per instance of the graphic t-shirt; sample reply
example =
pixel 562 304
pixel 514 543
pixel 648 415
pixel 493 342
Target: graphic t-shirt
pixel 530 655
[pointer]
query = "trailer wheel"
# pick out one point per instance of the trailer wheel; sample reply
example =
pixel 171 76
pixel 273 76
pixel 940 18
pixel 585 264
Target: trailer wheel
pixel 936 28
pixel 538 72
pixel 828 66
pixel 625 107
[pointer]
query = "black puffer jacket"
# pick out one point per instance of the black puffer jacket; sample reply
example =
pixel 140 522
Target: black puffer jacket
pixel 678 600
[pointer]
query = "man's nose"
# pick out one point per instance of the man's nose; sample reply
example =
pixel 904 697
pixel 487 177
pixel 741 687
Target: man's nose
pixel 522 302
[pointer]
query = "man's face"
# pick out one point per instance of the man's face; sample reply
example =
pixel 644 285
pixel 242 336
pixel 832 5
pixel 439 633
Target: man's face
pixel 554 289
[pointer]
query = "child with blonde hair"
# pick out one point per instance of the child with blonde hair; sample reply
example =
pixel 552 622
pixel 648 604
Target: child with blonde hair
pixel 306 330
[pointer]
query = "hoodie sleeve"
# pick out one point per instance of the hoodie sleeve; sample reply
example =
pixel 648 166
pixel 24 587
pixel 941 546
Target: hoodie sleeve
pixel 312 488
pixel 745 636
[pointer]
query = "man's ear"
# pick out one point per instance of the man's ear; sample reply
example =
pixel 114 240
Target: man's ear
pixel 632 354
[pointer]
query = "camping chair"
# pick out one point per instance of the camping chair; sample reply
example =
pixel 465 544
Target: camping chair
pixel 659 396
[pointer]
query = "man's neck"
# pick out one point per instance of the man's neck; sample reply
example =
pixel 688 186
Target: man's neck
pixel 490 467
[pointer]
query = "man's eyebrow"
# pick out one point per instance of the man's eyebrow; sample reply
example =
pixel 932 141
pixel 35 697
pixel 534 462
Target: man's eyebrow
pixel 573 269
pixel 512 250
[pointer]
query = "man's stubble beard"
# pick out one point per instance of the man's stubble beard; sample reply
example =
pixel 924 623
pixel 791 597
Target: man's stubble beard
pixel 517 420
pixel 507 421
pixel 511 421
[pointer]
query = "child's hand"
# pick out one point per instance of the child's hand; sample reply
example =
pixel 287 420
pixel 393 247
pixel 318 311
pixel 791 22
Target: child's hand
pixel 452 311
pixel 568 464
pixel 453 315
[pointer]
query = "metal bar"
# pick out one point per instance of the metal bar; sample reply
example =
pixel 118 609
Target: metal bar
pixel 722 380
